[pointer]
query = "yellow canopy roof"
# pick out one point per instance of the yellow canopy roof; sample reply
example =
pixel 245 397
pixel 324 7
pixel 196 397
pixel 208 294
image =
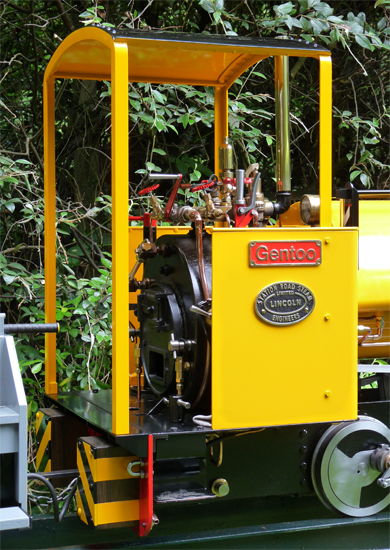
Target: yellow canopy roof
pixel 164 57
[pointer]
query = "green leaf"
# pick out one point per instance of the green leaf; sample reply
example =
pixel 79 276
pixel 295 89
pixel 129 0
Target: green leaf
pixel 323 9
pixel 363 41
pixel 23 161
pixel 173 128
pixel 379 362
pixel 284 9
pixel 354 174
pixel 318 26
pixel 260 74
pixel 135 104
pixel 146 118
pixel 10 178
pixel 383 3
pixel 268 22
pixel 186 118
pixel 37 368
pixel 305 24
pixel 207 5
pixel 159 96
pixel 160 125
pixel 107 263
pixel 289 22
pixel 334 19
pixel 219 5
pixel 370 141
pixel 364 156
pixel 296 22
pixel 10 206
pixel 159 152
pixel 8 279
pixel 17 265
pixel 364 179
pixel 382 24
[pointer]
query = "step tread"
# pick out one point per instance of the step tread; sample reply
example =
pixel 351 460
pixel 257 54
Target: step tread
pixel 13 517
pixel 8 416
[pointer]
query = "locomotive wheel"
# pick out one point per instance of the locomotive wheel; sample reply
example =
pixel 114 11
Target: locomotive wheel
pixel 342 474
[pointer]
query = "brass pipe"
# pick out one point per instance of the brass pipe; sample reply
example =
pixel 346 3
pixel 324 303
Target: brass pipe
pixel 282 124
pixel 197 219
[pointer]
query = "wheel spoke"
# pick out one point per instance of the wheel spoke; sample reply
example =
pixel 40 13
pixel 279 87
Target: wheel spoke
pixel 349 475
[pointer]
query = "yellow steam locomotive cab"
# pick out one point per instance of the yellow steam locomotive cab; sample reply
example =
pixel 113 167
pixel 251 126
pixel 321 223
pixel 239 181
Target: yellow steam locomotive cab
pixel 246 338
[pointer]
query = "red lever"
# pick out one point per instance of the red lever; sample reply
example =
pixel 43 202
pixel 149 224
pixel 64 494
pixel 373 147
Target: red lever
pixel 172 198
pixel 204 186
pixel 148 189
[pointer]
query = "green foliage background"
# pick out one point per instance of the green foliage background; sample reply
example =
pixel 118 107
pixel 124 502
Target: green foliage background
pixel 171 129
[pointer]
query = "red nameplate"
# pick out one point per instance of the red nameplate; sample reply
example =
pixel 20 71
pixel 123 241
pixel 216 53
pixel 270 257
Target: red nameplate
pixel 282 253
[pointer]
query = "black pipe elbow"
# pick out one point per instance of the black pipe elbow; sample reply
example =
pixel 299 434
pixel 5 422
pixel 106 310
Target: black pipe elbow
pixel 282 203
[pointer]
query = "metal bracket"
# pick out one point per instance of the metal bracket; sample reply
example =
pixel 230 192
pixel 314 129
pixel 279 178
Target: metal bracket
pixel 132 465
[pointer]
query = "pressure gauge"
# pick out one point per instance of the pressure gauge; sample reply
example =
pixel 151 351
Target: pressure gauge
pixel 310 209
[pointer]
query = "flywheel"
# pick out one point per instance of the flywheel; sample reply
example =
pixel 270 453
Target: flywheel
pixel 345 471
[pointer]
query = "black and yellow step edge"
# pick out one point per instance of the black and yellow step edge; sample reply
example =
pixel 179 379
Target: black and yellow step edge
pixel 106 494
pixel 43 437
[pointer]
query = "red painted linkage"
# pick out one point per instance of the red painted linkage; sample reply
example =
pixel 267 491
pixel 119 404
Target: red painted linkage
pixel 146 493
pixel 172 198
pixel 203 186
pixel 148 189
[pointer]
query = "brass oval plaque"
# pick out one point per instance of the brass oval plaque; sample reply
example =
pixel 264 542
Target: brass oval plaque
pixel 284 303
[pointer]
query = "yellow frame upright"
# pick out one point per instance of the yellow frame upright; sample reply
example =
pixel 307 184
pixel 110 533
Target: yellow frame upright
pixel 120 248
pixel 128 56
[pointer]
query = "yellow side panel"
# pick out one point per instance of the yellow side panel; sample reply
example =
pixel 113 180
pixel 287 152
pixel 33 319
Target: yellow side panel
pixel 265 375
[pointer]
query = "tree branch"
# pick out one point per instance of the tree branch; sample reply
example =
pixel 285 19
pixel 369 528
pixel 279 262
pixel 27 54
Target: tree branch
pixel 64 16
pixel 88 257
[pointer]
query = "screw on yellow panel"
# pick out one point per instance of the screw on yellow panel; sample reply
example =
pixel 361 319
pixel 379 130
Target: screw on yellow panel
pixel 327 393
pixel 327 240
pixel 327 317
pixel 79 511
pixel 37 415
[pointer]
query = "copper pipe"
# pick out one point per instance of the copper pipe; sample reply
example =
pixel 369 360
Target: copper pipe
pixel 368 339
pixel 196 217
